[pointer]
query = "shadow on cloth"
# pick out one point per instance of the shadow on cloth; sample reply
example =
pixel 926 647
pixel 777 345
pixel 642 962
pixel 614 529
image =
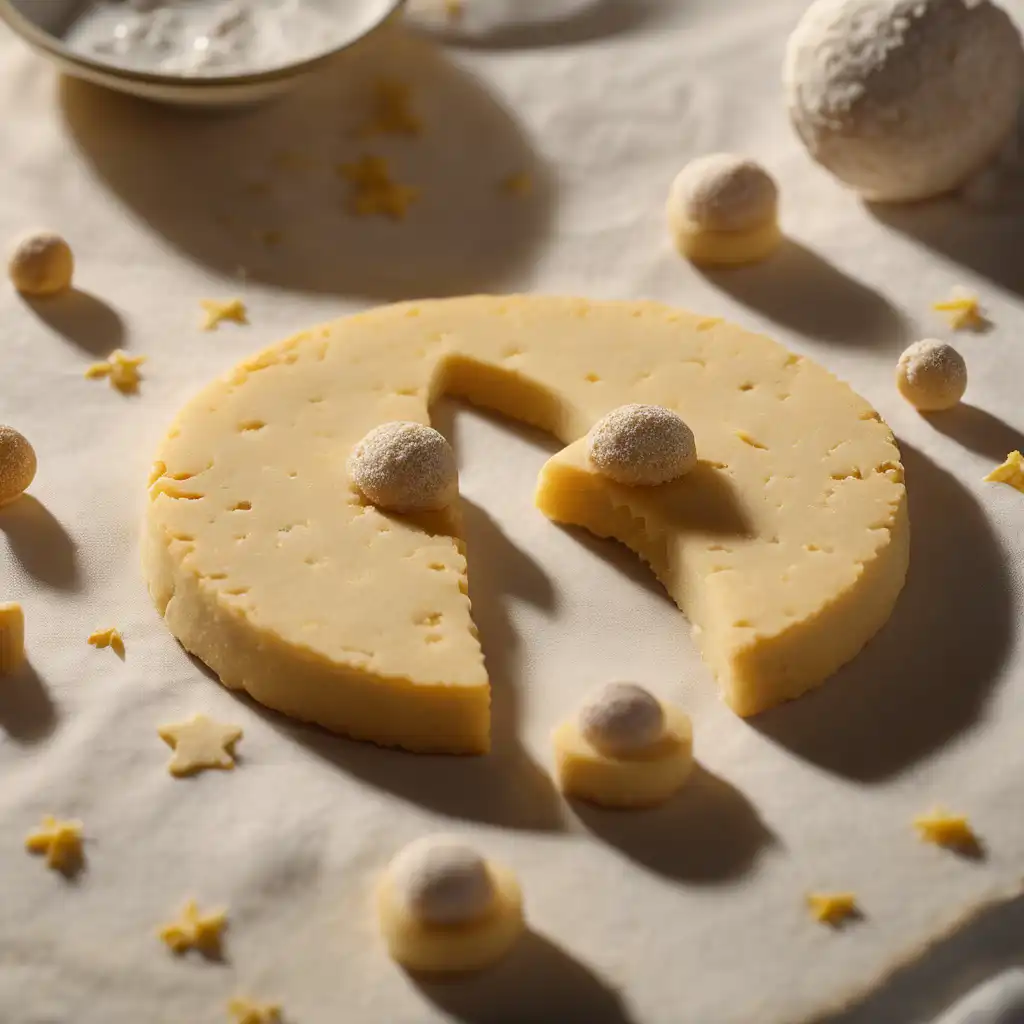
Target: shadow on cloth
pixel 40 543
pixel 27 714
pixel 83 319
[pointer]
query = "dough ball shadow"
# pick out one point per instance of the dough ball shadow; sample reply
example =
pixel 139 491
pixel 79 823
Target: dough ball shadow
pixel 40 544
pixel 263 189
pixel 83 319
pixel 926 676
pixel 27 714
pixel 978 430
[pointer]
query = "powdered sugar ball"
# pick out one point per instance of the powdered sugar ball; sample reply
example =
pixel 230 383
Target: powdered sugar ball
pixel 642 445
pixel 405 467
pixel 442 881
pixel 724 192
pixel 931 375
pixel 904 99
pixel 622 718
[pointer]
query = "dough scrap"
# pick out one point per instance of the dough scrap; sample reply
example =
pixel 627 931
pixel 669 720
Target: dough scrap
pixel 110 637
pixel 194 930
pixel 1010 472
pixel 218 311
pixel 832 908
pixel 61 841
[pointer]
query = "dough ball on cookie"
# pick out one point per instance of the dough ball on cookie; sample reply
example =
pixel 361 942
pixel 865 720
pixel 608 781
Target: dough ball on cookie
pixel 41 263
pixel 723 209
pixel 405 467
pixel 622 718
pixel 904 99
pixel 17 464
pixel 931 375
pixel 642 445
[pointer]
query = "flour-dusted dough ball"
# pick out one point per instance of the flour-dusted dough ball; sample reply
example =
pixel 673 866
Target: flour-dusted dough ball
pixel 17 464
pixel 622 719
pixel 931 375
pixel 904 99
pixel 41 263
pixel 405 467
pixel 442 881
pixel 642 445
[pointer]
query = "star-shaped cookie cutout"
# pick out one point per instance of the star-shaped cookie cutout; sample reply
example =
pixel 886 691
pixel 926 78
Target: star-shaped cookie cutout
pixel 217 312
pixel 963 311
pixel 61 841
pixel 194 930
pixel 1010 472
pixel 244 1011
pixel 945 829
pixel 374 192
pixel 832 908
pixel 200 743
pixel 108 638
pixel 121 369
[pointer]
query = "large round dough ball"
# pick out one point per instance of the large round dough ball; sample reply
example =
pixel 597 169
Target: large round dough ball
pixel 642 445
pixel 931 375
pixel 904 99
pixel 41 263
pixel 17 464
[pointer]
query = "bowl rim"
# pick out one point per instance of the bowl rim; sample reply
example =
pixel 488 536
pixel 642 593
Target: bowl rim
pixel 55 47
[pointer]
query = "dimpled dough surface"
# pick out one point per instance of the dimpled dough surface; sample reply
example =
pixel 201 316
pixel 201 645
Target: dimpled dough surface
pixel 787 546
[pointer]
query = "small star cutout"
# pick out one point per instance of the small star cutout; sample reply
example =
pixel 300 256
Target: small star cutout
pixel 1010 472
pixel 244 1011
pixel 944 829
pixel 121 369
pixel 963 311
pixel 520 184
pixel 200 743
pixel 832 908
pixel 373 191
pixel 194 930
pixel 108 638
pixel 217 312
pixel 61 841
pixel 392 113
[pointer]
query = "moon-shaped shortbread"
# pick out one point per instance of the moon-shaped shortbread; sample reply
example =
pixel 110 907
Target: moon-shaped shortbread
pixel 786 546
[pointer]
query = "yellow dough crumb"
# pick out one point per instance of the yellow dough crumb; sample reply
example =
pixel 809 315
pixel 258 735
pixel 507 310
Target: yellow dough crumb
pixel 121 369
pixel 108 638
pixel 245 1011
pixel 194 930
pixel 17 464
pixel 12 637
pixel 391 112
pixel 200 743
pixel 61 841
pixel 519 184
pixel 216 312
pixel 944 829
pixel 373 190
pixel 962 310
pixel 1010 472
pixel 832 907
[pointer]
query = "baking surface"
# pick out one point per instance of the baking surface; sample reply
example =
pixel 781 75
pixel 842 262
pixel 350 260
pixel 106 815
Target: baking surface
pixel 691 913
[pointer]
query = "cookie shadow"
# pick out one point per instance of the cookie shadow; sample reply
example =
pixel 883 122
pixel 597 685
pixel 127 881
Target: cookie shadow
pixel 933 665
pixel 537 982
pixel 708 833
pixel 978 431
pixel 83 319
pixel 27 714
pixel 40 544
pixel 261 189
pixel 801 291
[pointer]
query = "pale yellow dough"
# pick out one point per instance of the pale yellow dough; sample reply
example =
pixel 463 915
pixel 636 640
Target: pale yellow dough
pixel 642 779
pixel 725 248
pixel 12 637
pixel 456 947
pixel 786 546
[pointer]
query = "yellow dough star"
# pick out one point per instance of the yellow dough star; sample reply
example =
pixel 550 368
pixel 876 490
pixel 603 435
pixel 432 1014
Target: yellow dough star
pixel 244 1011
pixel 61 841
pixel 963 311
pixel 121 369
pixel 194 930
pixel 944 829
pixel 392 113
pixel 832 908
pixel 200 743
pixel 374 192
pixel 108 638
pixel 1010 472
pixel 217 312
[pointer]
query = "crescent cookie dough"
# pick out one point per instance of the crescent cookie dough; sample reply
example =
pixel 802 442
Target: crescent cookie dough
pixel 443 908
pixel 17 465
pixel 625 749
pixel 12 637
pixel 200 743
pixel 194 930
pixel 832 908
pixel 931 375
pixel 786 545
pixel 41 264
pixel 1010 472
pixel 723 209
pixel 60 841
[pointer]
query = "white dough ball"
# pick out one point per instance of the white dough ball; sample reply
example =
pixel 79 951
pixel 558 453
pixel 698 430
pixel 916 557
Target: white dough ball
pixel 17 464
pixel 442 881
pixel 723 192
pixel 904 99
pixel 642 445
pixel 405 467
pixel 622 718
pixel 931 375
pixel 41 263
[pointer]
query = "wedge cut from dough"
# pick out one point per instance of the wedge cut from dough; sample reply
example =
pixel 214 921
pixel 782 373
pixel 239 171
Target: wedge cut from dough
pixel 786 546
